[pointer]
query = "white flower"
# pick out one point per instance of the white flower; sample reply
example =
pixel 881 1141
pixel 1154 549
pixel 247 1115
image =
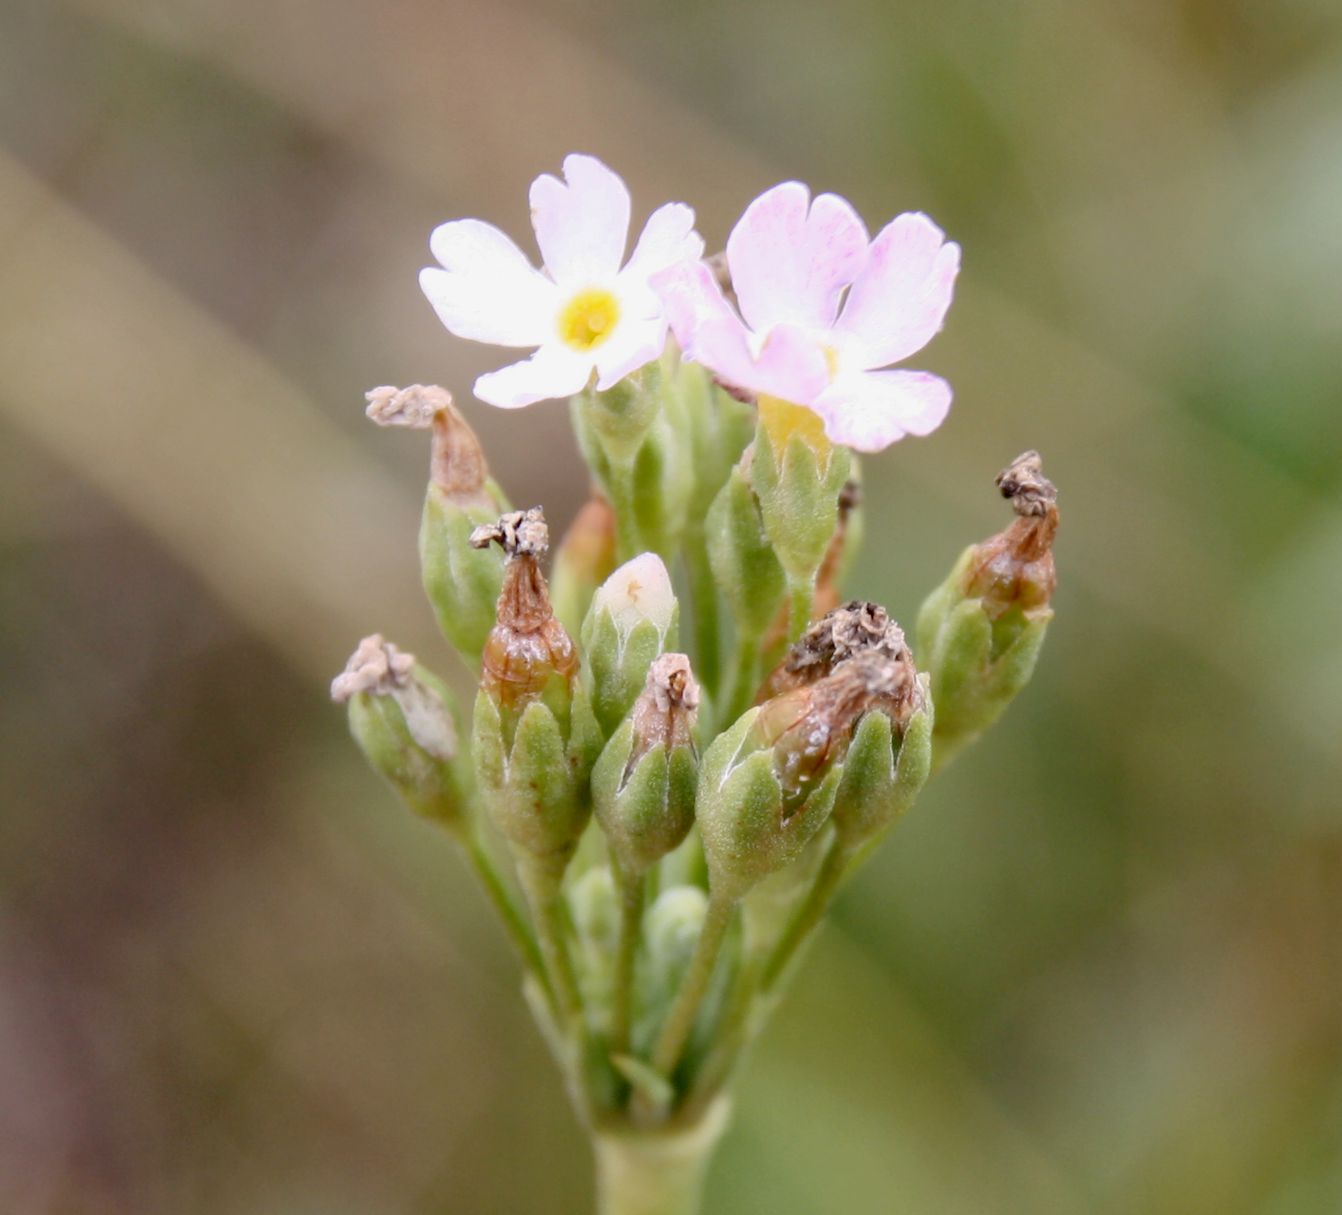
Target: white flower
pixel 582 311
pixel 823 311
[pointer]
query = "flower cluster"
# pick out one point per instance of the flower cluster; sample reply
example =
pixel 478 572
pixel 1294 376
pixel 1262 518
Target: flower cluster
pixel 821 310
pixel 661 807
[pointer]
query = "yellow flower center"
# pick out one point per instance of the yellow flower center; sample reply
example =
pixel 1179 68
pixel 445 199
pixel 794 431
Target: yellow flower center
pixel 589 318
pixel 831 360
pixel 782 419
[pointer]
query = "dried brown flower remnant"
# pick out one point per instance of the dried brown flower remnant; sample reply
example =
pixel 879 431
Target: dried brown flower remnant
pixel 376 666
pixel 457 465
pixel 665 711
pixel 1015 567
pixel 834 638
pixel 809 727
pixel 528 648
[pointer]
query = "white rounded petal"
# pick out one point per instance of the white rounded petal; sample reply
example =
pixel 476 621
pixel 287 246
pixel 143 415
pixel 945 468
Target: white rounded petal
pixel 691 298
pixel 791 258
pixel 667 238
pixel 639 590
pixel 553 371
pixel 582 223
pixel 635 343
pixel 869 410
pixel 899 299
pixel 487 291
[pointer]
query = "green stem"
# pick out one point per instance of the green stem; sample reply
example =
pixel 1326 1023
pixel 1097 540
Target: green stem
pixel 514 922
pixel 745 679
pixel 808 915
pixel 703 589
pixel 628 543
pixel 657 1172
pixel 632 887
pixel 694 986
pixel 545 897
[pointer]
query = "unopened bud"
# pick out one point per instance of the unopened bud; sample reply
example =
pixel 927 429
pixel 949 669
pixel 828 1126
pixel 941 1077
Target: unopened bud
pixel 633 618
pixel 981 631
pixel 400 716
pixel 643 786
pixel 584 559
pixel 462 583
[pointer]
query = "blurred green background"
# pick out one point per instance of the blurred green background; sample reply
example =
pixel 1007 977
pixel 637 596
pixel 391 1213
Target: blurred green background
pixel 1099 968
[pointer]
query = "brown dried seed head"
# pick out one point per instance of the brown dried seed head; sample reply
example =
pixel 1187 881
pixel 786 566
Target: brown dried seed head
pixel 376 666
pixel 457 466
pixel 520 533
pixel 1015 567
pixel 1023 483
pixel 834 638
pixel 666 709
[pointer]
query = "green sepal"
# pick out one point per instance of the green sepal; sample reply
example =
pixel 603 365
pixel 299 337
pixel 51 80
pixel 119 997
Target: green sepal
pixel 882 776
pixel 798 492
pixel 409 738
pixel 461 582
pixel 743 560
pixel 720 428
pixel 748 829
pixel 615 668
pixel 535 790
pixel 648 814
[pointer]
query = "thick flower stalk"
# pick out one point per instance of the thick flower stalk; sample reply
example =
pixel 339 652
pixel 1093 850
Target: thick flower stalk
pixel 663 809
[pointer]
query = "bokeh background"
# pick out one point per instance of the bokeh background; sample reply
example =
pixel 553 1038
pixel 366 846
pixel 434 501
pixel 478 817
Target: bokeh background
pixel 1097 970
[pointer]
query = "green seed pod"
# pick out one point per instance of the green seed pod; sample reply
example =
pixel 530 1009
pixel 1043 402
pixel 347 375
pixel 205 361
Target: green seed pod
pixel 534 735
pixel 643 786
pixel 633 619
pixel 401 717
pixel 798 475
pixel 742 558
pixel 981 631
pixel 461 582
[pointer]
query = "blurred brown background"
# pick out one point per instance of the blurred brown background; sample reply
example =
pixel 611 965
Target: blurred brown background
pixel 1098 970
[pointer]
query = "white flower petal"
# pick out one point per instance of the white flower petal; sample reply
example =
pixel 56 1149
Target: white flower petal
pixel 869 410
pixel 790 364
pixel 553 371
pixel 635 343
pixel 790 263
pixel 691 298
pixel 899 299
pixel 639 590
pixel 581 226
pixel 668 237
pixel 487 291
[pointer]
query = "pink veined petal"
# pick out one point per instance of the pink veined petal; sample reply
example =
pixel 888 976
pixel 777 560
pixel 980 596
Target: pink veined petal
pixel 692 298
pixel 553 371
pixel 869 410
pixel 899 299
pixel 789 263
pixel 634 344
pixel 487 291
pixel 582 226
pixel 668 238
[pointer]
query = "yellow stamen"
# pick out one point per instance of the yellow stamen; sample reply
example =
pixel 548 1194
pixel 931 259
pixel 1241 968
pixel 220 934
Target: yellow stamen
pixel 589 318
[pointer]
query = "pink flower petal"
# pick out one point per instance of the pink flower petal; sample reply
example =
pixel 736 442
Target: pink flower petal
pixel 869 410
pixel 581 226
pixel 691 297
pixel 899 300
pixel 487 290
pixel 553 371
pixel 790 265
pixel 790 365
pixel 634 344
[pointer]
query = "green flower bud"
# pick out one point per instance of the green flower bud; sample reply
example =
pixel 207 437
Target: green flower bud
pixel 633 619
pixel 534 735
pixel 584 559
pixel 743 560
pixel 400 715
pixel 616 422
pixel 595 906
pixel 981 631
pixel 671 930
pixel 798 475
pixel 643 786
pixel 461 582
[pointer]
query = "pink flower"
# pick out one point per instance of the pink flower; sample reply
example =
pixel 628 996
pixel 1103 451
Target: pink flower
pixel 582 311
pixel 823 311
